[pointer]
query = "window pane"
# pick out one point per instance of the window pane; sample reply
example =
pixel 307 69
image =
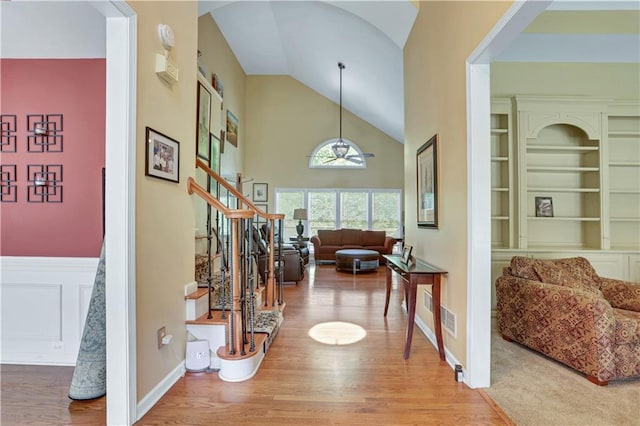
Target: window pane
pixel 286 203
pixel 353 206
pixel 322 211
pixel 386 212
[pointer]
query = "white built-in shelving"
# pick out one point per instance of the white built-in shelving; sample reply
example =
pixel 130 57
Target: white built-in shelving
pixel 502 194
pixel 584 154
pixel 624 174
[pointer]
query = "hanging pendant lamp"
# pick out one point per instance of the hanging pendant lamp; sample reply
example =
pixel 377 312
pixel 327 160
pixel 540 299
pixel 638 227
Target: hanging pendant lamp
pixel 340 148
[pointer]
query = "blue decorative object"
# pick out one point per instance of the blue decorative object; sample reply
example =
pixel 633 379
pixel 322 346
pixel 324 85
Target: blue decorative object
pixel 90 374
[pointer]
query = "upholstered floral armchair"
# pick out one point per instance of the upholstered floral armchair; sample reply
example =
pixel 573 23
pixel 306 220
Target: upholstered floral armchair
pixel 563 309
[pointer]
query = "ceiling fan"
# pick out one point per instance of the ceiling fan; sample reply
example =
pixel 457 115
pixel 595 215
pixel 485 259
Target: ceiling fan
pixel 340 149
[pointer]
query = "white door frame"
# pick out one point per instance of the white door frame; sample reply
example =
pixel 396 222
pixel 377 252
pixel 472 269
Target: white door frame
pixel 121 74
pixel 514 21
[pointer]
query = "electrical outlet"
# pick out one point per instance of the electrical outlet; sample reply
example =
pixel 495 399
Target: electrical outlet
pixel 161 333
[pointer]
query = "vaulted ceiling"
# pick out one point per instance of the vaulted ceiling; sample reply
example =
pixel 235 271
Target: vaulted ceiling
pixel 306 40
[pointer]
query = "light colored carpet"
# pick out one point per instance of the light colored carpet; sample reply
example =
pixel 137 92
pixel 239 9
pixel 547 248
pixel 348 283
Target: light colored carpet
pixel 535 390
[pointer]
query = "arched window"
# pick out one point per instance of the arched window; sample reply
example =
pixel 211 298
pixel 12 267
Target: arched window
pixel 323 156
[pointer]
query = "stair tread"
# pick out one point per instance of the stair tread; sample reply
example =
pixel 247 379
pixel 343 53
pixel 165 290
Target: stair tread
pixel 200 291
pixel 216 318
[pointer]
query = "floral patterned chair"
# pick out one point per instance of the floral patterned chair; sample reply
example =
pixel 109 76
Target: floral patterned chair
pixel 563 309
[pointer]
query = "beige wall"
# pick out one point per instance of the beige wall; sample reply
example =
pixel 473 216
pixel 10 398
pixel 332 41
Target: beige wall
pixel 164 210
pixel 435 81
pixel 614 81
pixel 288 120
pixel 218 59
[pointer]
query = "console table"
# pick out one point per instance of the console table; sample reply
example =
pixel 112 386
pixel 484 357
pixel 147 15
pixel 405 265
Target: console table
pixel 416 272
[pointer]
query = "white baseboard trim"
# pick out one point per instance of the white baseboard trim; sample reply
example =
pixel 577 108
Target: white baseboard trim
pixel 159 390
pixel 430 335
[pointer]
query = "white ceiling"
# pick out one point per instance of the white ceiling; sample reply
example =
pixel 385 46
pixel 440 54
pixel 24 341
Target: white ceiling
pixel 51 29
pixel 306 40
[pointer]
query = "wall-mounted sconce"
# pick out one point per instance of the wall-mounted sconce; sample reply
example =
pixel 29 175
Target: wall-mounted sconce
pixel 44 132
pixel 44 183
pixel 166 69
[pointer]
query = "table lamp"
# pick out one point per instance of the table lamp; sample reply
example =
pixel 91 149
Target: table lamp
pixel 300 214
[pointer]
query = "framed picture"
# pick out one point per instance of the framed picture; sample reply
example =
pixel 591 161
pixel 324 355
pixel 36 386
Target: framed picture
pixel 406 254
pixel 202 126
pixel 232 129
pixel 427 167
pixel 214 155
pixel 163 156
pixel 217 85
pixel 544 207
pixel 260 192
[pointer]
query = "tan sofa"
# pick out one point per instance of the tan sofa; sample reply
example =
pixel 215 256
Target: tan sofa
pixel 327 242
pixel 563 309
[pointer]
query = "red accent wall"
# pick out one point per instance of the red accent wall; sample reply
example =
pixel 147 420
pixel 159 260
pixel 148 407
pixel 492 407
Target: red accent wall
pixel 74 88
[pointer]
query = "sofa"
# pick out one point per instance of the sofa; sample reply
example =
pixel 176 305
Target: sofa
pixel 563 309
pixel 327 242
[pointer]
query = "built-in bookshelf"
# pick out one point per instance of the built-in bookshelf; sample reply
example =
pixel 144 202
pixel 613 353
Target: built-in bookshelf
pixel 502 201
pixel 624 175
pixel 584 155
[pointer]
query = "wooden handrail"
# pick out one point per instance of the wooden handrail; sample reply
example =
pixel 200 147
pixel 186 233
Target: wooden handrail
pixel 192 187
pixel 222 181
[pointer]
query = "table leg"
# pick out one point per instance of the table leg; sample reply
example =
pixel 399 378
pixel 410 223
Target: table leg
pixel 388 295
pixel 437 324
pixel 413 284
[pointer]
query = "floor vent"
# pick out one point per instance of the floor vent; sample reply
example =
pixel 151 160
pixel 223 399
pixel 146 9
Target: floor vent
pixel 447 318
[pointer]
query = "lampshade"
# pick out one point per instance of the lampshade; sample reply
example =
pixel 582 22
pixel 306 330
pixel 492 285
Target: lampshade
pixel 300 214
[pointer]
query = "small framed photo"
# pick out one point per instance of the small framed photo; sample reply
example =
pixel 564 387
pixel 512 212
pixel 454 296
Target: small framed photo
pixel 544 207
pixel 406 254
pixel 232 129
pixel 163 156
pixel 204 122
pixel 260 192
pixel 427 166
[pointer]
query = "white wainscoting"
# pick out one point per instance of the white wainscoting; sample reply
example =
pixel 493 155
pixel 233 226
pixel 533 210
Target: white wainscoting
pixel 44 306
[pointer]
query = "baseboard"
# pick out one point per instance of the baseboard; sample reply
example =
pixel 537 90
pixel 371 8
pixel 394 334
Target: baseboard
pixel 158 392
pixel 450 359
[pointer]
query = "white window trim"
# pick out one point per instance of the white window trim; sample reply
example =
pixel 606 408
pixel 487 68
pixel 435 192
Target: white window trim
pixel 337 192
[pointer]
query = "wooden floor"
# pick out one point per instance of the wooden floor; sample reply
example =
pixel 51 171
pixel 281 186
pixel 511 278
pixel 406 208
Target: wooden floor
pixel 300 382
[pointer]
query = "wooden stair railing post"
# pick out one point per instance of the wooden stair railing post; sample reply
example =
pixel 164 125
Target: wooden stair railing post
pixel 281 263
pixel 271 281
pixel 249 274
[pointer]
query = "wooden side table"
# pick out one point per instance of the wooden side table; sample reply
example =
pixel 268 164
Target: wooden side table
pixel 416 272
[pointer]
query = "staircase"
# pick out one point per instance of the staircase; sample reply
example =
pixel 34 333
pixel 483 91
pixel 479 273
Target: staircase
pixel 230 308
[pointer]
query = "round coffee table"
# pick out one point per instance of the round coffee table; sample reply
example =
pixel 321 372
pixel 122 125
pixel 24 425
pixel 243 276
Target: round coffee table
pixel 357 260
